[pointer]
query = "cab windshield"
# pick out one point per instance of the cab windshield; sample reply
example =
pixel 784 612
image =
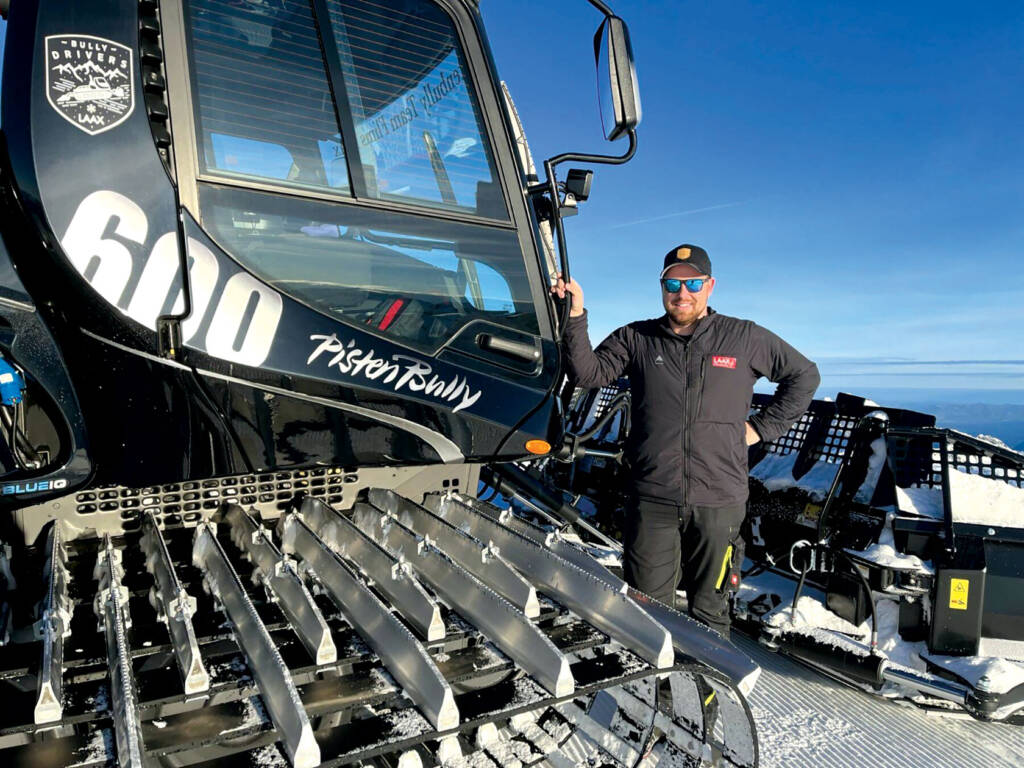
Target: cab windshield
pixel 341 102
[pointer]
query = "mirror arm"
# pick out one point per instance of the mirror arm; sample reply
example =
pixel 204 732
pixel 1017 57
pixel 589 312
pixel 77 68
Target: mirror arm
pixel 602 7
pixel 551 187
pixel 600 159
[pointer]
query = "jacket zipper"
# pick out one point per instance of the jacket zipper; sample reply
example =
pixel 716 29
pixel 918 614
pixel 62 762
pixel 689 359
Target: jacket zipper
pixel 700 385
pixel 687 426
pixel 690 421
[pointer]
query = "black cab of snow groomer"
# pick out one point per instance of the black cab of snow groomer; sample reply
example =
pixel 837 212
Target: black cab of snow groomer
pixel 366 282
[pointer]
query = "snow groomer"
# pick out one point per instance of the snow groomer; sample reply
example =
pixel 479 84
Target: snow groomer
pixel 691 377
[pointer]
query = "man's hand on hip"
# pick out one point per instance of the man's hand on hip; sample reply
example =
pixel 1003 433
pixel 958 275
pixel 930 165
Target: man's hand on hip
pixel 572 288
pixel 752 436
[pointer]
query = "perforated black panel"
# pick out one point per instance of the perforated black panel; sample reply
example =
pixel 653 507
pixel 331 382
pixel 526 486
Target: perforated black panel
pixel 183 503
pixel 916 458
pixel 832 447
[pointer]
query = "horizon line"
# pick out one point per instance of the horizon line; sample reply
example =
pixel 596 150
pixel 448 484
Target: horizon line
pixel 879 361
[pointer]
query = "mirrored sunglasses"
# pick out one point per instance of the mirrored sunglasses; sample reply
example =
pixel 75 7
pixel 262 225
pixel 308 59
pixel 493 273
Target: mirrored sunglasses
pixel 674 285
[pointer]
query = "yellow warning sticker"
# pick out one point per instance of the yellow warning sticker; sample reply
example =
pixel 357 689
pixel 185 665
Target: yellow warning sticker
pixel 958 589
pixel 812 511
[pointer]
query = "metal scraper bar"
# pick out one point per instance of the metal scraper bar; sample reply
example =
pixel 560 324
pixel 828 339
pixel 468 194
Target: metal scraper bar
pixel 111 608
pixel 268 669
pixel 278 574
pixel 607 609
pixel 549 539
pixel 390 575
pixel 54 625
pixel 492 614
pixel 481 559
pixel 601 735
pixel 174 606
pixel 402 654
pixel 688 636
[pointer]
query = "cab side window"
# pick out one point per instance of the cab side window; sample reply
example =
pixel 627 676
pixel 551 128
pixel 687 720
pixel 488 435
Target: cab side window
pixel 417 121
pixel 263 101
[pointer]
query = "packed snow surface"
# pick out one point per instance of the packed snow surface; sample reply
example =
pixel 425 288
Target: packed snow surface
pixel 923 502
pixel 875 464
pixel 884 553
pixel 776 473
pixel 984 501
pixel 805 720
pixel 975 499
pixel 812 613
pixel 993 440
pixel 799 732
pixel 1003 675
pixel 895 648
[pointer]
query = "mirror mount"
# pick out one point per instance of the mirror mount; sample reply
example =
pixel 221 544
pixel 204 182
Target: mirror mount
pixel 613 37
pixel 550 187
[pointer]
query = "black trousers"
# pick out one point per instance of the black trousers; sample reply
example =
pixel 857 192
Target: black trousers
pixel 668 545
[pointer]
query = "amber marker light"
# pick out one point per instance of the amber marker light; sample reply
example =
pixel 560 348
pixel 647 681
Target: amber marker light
pixel 538 446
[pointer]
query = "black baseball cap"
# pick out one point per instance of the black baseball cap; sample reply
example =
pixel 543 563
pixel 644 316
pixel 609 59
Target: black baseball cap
pixel 690 255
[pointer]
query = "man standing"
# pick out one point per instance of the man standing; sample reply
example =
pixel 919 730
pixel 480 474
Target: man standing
pixel 691 376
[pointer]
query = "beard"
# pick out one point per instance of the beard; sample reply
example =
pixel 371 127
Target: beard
pixel 684 313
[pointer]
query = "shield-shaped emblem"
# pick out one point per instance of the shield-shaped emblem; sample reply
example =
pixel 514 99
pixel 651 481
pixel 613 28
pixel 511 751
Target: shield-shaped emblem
pixel 89 81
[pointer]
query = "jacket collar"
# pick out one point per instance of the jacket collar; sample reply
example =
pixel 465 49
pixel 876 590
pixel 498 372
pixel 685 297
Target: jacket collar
pixel 702 325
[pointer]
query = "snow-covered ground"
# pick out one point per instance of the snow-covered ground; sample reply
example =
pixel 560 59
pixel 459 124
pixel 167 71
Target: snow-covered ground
pixel 806 720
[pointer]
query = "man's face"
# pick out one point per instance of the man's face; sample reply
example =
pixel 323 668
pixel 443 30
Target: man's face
pixel 684 307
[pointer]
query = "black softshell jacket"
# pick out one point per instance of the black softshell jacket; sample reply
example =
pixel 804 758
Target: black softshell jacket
pixel 690 400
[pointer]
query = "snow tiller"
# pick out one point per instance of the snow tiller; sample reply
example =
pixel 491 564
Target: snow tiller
pixel 273 294
pixel 906 546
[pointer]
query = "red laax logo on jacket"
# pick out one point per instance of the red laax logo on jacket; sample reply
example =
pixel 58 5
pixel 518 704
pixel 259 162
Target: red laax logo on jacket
pixel 721 361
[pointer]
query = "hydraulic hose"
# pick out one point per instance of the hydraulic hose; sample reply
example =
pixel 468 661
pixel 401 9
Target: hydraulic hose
pixel 18 438
pixel 514 481
pixel 620 401
pixel 797 591
pixel 519 482
pixel 770 558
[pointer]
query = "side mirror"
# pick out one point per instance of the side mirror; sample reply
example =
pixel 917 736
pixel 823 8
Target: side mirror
pixel 617 88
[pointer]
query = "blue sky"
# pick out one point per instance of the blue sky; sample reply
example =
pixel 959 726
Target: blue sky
pixel 855 169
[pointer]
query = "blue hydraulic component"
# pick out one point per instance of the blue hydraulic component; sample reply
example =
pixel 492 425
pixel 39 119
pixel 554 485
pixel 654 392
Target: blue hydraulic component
pixel 12 384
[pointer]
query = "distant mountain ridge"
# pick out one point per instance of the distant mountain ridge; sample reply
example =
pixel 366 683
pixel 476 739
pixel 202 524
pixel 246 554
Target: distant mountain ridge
pixel 999 413
pixel 1003 421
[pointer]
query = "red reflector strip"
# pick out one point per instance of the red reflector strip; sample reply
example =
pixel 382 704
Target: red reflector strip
pixel 391 314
